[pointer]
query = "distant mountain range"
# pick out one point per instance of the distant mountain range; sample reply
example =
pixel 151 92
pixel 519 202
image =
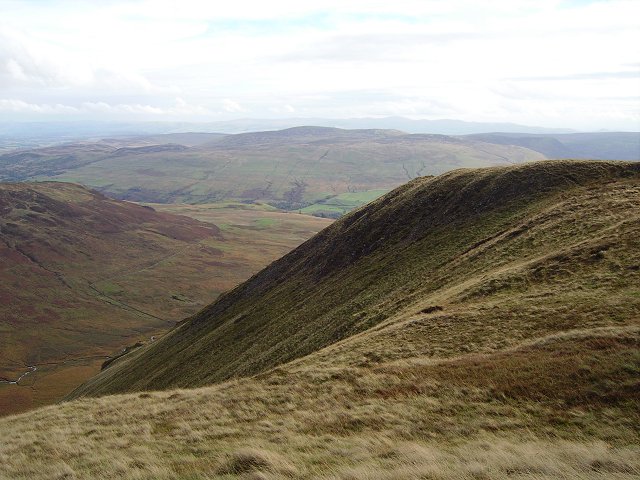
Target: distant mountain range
pixel 320 170
pixel 67 131
pixel 600 145
pixel 408 125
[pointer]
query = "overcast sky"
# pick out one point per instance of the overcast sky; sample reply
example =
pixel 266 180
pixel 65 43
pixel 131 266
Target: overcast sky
pixel 552 63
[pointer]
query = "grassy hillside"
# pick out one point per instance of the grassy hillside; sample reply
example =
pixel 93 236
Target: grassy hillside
pixel 482 324
pixel 82 276
pixel 423 245
pixel 289 169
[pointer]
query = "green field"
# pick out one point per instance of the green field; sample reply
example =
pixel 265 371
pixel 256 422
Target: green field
pixel 337 205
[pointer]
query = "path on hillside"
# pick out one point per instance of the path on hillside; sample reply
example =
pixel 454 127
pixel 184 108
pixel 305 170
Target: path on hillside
pixel 32 368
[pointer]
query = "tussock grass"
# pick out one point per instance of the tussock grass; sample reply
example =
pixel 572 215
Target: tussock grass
pixel 256 461
pixel 528 369
pixel 300 422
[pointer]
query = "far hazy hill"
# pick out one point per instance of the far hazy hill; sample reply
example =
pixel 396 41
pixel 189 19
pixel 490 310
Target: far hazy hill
pixel 82 276
pixel 309 168
pixel 35 132
pixel 594 146
pixel 304 135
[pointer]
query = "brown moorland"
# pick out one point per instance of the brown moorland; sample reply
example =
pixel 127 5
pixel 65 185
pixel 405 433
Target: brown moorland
pixel 478 325
pixel 83 276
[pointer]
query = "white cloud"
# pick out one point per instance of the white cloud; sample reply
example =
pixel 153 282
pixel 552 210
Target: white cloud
pixel 19 106
pixel 526 61
pixel 28 62
pixel 231 106
pixel 104 109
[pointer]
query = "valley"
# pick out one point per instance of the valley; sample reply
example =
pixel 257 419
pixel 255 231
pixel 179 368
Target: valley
pixel 317 170
pixel 458 304
pixel 483 323
pixel 319 240
pixel 403 253
pixel 83 276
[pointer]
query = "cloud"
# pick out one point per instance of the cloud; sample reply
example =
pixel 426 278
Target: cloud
pixel 28 62
pixel 19 106
pixel 253 10
pixel 209 60
pixel 287 109
pixel 179 109
pixel 368 47
pixel 103 107
pixel 231 107
pixel 585 76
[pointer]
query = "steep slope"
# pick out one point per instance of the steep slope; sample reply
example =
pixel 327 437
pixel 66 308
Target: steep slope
pixel 453 243
pixel 289 169
pixel 82 276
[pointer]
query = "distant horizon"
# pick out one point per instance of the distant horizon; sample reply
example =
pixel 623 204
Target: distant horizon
pixel 255 124
pixel 275 119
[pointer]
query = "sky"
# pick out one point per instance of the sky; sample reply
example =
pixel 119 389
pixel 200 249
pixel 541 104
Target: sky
pixel 568 64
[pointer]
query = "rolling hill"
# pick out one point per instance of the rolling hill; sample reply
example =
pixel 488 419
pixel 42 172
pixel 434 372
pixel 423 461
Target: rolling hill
pixel 82 276
pixel 480 324
pixel 289 169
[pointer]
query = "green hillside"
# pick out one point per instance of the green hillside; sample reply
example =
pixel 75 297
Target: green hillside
pixel 288 169
pixel 476 250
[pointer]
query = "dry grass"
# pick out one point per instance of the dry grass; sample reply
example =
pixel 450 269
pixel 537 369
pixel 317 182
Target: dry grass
pixel 528 369
pixel 297 424
pixel 467 417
